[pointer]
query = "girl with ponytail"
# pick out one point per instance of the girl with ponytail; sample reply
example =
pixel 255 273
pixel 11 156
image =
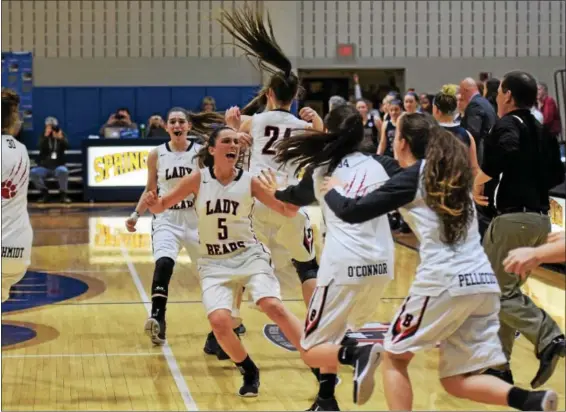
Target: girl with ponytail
pixel 290 240
pixel 443 109
pixel 230 256
pixel 455 290
pixel 357 260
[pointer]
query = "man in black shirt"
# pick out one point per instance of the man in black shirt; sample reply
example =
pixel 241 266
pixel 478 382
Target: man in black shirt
pixel 515 153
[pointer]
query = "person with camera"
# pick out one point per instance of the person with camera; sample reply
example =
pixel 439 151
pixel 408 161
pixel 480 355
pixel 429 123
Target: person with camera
pixel 51 161
pixel 121 119
pixel 156 128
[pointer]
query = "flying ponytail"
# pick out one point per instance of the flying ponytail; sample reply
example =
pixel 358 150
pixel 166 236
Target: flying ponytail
pixel 258 42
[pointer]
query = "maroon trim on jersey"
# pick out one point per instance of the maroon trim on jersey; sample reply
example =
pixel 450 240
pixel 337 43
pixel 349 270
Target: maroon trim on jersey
pixel 315 313
pixel 399 330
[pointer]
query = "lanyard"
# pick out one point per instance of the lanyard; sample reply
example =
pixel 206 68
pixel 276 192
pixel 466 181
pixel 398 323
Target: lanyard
pixel 52 144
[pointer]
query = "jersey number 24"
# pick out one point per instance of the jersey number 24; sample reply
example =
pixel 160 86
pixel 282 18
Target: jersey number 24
pixel 273 133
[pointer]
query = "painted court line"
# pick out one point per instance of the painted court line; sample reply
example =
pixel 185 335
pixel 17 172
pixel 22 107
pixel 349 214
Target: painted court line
pixel 182 386
pixel 83 355
pixel 71 271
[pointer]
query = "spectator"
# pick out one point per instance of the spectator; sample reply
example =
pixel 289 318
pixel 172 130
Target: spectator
pixel 388 129
pixel 51 161
pixel 411 102
pixel 156 127
pixel 481 87
pixel 490 92
pixel 479 116
pixel 460 108
pixel 387 103
pixel 444 106
pixel 120 119
pixel 208 104
pixel 547 105
pixel 537 114
pixel 371 127
pixel 336 101
pixel 426 102
pixel 522 220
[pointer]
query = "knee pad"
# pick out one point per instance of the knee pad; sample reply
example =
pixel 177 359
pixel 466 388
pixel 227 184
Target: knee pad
pixel 306 270
pixel 162 276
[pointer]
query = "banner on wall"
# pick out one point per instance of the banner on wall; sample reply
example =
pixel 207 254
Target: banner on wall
pixel 17 74
pixel 117 166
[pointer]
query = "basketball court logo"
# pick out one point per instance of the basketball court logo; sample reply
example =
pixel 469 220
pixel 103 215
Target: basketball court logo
pixel 370 333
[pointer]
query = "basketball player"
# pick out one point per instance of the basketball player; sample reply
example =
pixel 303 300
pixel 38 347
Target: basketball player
pixel 357 260
pixel 287 238
pixel 444 106
pixel 176 227
pixel 454 298
pixel 230 254
pixel 17 234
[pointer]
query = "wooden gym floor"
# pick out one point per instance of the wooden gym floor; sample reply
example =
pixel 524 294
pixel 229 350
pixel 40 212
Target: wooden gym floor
pixel 73 331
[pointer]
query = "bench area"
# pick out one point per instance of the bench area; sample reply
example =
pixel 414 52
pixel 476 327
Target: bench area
pixel 75 166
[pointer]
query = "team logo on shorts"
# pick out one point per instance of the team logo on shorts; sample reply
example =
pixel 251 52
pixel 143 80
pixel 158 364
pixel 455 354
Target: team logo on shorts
pixel 369 333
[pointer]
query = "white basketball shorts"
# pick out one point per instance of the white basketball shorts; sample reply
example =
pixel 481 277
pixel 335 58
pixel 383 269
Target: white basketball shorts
pixel 466 326
pixel 222 280
pixel 16 256
pixel 334 309
pixel 172 231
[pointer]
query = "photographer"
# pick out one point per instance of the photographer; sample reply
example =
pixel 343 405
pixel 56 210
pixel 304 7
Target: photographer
pixel 156 128
pixel 51 160
pixel 120 119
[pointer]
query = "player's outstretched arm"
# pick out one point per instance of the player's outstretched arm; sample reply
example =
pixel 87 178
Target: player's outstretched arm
pixel 187 185
pixel 398 191
pixel 266 196
pixel 151 185
pixel 522 260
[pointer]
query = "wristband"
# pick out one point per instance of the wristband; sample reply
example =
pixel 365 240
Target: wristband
pixel 135 215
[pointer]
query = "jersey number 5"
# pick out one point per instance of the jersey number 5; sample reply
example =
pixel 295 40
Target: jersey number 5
pixel 222 229
pixel 273 133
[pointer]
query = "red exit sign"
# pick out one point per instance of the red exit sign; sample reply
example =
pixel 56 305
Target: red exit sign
pixel 346 51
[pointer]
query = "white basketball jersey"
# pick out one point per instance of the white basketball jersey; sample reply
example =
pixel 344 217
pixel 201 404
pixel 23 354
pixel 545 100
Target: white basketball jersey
pixel 172 166
pixel 355 253
pixel 267 129
pixel 16 227
pixel 224 215
pixel 462 269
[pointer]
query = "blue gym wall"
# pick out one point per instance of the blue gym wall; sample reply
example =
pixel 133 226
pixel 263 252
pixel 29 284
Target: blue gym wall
pixel 83 110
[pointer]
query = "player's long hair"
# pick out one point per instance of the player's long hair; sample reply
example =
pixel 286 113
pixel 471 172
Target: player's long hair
pixel 257 104
pixel 313 149
pixel 257 41
pixel 447 177
pixel 205 159
pixel 10 104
